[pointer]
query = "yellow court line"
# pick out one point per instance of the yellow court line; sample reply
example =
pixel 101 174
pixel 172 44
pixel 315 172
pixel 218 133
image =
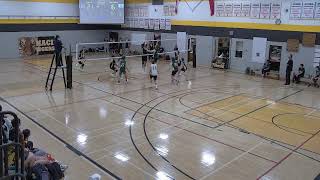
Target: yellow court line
pixel 52 1
pixel 38 21
pixel 243 25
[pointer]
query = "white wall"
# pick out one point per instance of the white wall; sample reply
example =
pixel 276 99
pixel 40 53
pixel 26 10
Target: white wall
pixel 305 56
pixel 200 11
pixel 10 40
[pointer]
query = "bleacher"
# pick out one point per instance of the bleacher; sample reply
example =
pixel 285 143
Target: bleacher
pixel 19 159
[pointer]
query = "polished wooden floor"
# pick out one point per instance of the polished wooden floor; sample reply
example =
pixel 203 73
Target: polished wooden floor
pixel 214 125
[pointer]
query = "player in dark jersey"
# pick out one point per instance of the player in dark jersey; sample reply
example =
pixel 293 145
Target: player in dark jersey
pixel 175 70
pixel 144 57
pixel 123 68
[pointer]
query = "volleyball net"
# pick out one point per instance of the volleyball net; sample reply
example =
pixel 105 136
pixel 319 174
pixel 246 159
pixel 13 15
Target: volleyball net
pixel 166 49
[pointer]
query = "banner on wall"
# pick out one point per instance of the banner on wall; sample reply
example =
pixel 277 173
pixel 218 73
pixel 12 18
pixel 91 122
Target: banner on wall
pixel 172 10
pixel 136 23
pixel 151 23
pixel 219 9
pixel 317 11
pixel 166 10
pixel 146 23
pixel 228 9
pixel 141 23
pixel 30 46
pixel 295 10
pixel 275 10
pixel 255 10
pixel 146 11
pixel 211 4
pixel 141 11
pixel 168 24
pixel 157 24
pixel 245 9
pixel 237 9
pixel 131 23
pixel 265 10
pixel 162 24
pixel 308 10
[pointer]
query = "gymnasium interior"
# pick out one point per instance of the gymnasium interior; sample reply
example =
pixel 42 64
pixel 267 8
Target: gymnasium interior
pixel 160 89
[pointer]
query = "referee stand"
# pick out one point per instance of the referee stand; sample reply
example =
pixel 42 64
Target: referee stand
pixel 57 63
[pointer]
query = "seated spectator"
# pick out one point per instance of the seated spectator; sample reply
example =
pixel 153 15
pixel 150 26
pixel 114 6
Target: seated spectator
pixel 221 55
pixel 266 68
pixel 26 134
pixel 34 156
pixel 316 77
pixel 301 72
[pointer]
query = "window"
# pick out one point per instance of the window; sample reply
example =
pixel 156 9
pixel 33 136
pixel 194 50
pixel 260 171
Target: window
pixel 239 49
pixel 316 61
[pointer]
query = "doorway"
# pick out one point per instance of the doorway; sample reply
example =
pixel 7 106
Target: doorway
pixel 192 52
pixel 222 53
pixel 275 57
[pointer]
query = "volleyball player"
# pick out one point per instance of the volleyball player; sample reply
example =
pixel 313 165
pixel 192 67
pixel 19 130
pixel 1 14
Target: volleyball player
pixel 174 71
pixel 113 66
pixel 123 69
pixel 144 57
pixel 154 73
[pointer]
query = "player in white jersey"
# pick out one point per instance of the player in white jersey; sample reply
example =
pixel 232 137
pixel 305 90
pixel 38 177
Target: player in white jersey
pixel 154 73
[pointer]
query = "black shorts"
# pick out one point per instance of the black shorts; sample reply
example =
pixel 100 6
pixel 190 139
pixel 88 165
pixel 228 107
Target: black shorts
pixel 174 73
pixel 153 77
pixel 144 59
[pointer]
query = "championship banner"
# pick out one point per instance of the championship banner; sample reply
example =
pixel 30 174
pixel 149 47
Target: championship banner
pixel 32 46
pixel 211 3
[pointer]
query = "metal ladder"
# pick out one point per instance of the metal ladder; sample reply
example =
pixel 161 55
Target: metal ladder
pixel 52 76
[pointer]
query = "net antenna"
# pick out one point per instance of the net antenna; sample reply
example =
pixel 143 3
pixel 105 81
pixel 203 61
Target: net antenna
pixel 96 51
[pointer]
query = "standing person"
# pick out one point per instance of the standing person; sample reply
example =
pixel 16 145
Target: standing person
pixel 151 48
pixel 144 57
pixel 289 70
pixel 123 69
pixel 175 70
pixel 176 51
pixel 184 68
pixel 316 77
pixel 113 66
pixel 155 55
pixel 154 73
pixel 120 47
pixel 57 50
pixel 127 47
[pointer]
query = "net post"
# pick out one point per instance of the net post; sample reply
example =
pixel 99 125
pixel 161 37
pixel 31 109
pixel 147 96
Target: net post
pixel 77 48
pixel 69 68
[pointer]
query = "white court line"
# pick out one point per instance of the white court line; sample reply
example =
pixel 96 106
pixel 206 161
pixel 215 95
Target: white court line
pixel 137 167
pixel 100 170
pixel 314 110
pixel 115 104
pixel 236 158
pixel 142 136
pixel 53 118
